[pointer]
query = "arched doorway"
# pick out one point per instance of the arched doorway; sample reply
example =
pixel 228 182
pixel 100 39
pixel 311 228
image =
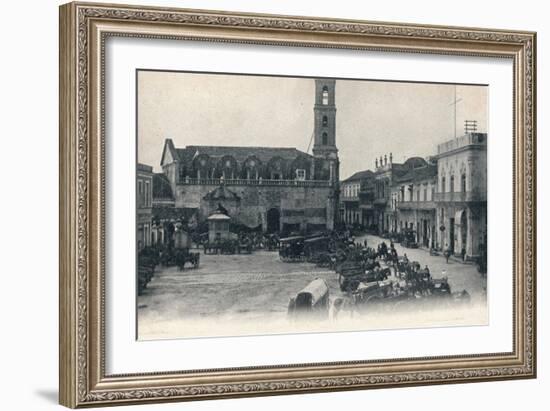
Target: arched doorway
pixel 273 220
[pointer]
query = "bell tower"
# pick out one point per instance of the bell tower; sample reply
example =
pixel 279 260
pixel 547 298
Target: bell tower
pixel 325 119
pixel 324 130
pixel 325 153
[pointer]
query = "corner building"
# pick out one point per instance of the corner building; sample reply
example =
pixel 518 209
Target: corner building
pixel 461 197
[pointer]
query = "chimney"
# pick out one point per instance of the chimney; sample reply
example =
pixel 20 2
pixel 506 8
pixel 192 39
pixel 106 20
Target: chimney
pixel 376 163
pixel 391 158
pixel 385 159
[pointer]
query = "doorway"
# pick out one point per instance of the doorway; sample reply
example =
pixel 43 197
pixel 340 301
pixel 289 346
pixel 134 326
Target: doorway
pixel 425 239
pixel 273 220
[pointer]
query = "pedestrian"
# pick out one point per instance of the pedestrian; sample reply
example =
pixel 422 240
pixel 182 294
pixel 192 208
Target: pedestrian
pixel 447 253
pixel 463 253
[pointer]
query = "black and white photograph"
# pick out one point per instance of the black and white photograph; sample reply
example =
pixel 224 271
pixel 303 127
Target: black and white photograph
pixel 274 205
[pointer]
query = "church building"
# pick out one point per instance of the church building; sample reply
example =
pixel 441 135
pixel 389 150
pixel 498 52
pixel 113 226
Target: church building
pixel 272 188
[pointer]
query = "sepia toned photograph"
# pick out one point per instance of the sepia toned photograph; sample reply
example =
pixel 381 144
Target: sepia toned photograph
pixel 278 205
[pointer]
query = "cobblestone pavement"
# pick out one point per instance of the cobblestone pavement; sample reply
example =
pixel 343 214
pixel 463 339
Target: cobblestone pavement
pixel 256 288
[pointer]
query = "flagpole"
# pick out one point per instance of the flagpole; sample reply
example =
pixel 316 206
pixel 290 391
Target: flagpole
pixel 455 101
pixel 454 123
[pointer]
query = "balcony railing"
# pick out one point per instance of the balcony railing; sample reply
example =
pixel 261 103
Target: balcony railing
pixel 351 199
pixel 468 196
pixel 258 182
pixel 415 205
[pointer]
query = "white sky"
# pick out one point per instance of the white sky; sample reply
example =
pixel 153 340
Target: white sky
pixel 373 118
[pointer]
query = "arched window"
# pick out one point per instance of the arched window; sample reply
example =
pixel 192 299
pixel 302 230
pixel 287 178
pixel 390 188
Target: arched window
pixel 443 185
pixel 463 183
pixel 325 96
pixel 452 184
pixel 325 139
pixel 325 121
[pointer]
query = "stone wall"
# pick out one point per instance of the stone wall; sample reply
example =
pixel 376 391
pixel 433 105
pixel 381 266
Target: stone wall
pixel 296 205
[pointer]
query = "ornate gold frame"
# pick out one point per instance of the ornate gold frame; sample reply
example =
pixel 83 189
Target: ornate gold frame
pixel 83 30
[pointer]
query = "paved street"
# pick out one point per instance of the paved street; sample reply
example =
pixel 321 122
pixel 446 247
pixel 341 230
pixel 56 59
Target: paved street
pixel 251 287
pixel 461 276
pixel 249 294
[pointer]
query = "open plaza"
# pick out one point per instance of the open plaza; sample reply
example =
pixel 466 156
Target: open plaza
pixel 250 293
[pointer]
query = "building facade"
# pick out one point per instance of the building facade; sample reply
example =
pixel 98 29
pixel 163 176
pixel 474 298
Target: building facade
pixel 385 176
pixel 356 193
pixel 272 188
pixel 413 201
pixel 443 199
pixel 165 214
pixel 144 199
pixel 461 196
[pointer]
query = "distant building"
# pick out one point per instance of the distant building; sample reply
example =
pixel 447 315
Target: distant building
pixel 385 175
pixel 461 197
pixel 356 195
pixel 165 214
pixel 144 199
pixel 272 188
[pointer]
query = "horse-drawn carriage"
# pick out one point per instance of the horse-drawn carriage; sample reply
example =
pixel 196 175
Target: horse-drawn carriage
pixel 183 256
pixel 221 247
pixel 406 295
pixel 372 292
pixel 317 250
pixel 409 239
pixel 311 301
pixel 352 273
pixel 179 257
pixel 396 237
pixel 292 249
pixel 271 242
pixel 244 246
pixel 148 258
pixel 180 253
